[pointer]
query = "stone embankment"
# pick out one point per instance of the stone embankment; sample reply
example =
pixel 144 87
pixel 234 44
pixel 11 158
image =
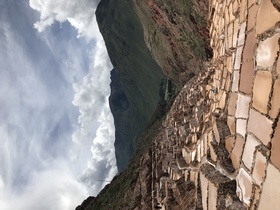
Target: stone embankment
pixel 219 145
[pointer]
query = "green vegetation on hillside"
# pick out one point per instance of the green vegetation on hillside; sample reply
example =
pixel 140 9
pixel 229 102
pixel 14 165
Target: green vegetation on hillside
pixel 138 72
pixel 141 93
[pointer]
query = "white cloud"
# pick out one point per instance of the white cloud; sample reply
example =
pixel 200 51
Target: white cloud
pixel 39 162
pixel 95 124
pixel 81 14
pixel 92 99
pixel 63 192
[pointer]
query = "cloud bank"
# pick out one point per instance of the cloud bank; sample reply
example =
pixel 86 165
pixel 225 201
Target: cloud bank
pixel 80 14
pixel 56 129
pixel 62 192
pixel 91 97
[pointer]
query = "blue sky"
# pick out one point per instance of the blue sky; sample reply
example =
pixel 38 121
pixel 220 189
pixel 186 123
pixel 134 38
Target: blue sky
pixel 56 129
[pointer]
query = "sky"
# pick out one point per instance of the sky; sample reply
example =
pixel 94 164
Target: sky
pixel 56 128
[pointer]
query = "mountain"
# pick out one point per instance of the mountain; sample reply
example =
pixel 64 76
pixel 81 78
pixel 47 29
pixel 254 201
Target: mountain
pixel 139 75
pixel 155 49
pixel 148 41
pixel 176 33
pixel 215 144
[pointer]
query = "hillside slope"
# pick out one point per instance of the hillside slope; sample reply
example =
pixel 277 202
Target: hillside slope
pixel 138 33
pixel 218 145
pixel 136 84
pixel 138 73
pixel 176 33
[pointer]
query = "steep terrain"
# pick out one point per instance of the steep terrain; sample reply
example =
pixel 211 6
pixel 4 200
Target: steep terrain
pixel 138 87
pixel 148 178
pixel 217 146
pixel 121 111
pixel 176 34
pixel 137 72
pixel 138 33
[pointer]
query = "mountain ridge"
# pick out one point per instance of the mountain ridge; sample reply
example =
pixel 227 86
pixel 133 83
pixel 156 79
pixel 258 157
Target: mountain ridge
pixel 138 73
pixel 216 145
pixel 117 22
